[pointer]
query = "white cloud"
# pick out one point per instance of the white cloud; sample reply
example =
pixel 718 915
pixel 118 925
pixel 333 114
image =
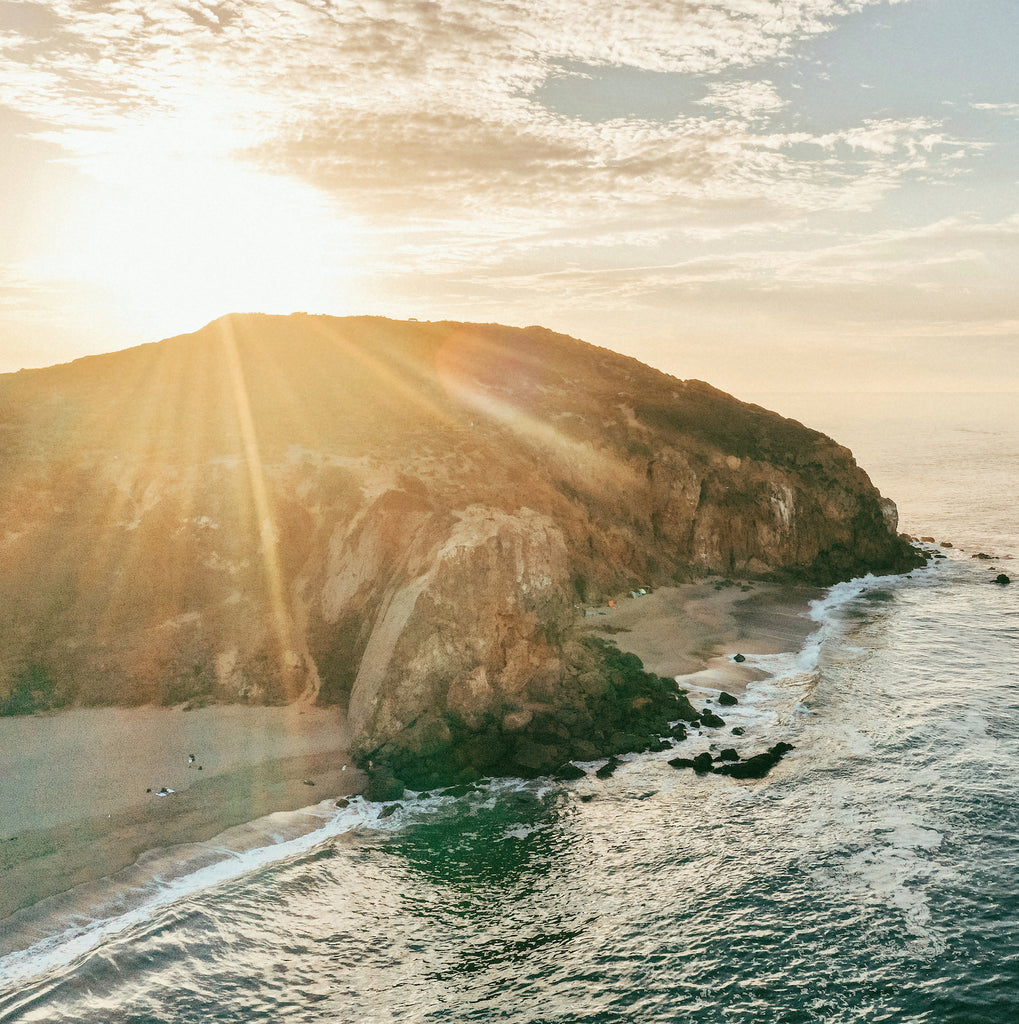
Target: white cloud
pixel 1008 109
pixel 748 101
pixel 423 118
pixel 426 110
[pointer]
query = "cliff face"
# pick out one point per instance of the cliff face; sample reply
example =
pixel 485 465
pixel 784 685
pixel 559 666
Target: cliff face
pixel 400 517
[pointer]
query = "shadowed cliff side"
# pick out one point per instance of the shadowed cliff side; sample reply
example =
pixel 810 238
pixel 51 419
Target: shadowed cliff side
pixel 397 517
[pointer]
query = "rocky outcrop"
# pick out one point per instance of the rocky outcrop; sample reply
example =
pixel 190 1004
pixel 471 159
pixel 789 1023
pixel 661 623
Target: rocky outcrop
pixel 398 517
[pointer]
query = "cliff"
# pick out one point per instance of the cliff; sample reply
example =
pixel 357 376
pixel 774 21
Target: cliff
pixel 398 517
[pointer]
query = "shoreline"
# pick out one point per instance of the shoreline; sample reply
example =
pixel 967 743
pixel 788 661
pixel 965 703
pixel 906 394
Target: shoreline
pixel 692 632
pixel 73 802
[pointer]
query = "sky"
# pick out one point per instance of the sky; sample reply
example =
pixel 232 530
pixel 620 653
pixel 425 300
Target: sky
pixel 771 195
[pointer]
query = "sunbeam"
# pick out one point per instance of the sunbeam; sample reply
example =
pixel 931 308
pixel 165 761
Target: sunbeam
pixel 292 666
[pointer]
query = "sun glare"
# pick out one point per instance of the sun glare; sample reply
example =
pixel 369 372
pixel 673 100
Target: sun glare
pixel 174 238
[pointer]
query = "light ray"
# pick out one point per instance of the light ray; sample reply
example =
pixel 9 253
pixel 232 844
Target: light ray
pixel 290 661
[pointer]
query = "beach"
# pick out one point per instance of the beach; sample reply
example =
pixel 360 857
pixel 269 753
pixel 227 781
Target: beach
pixel 80 792
pixel 693 632
pixel 80 797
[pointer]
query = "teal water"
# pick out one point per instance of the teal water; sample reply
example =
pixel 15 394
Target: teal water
pixel 871 877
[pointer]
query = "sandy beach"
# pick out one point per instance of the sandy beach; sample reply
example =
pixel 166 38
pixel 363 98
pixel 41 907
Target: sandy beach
pixel 80 790
pixel 692 632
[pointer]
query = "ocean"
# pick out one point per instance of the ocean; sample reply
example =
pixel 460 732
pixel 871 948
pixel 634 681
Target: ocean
pixel 871 877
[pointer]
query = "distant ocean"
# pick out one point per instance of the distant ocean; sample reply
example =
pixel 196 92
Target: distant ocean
pixel 871 877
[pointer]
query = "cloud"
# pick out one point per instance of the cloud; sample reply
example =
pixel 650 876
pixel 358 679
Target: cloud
pixel 423 118
pixel 1008 109
pixel 748 101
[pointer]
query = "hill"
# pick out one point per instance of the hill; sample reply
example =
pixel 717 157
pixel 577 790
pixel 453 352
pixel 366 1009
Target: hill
pixel 399 517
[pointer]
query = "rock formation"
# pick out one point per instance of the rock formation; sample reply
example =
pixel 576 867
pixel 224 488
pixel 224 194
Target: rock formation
pixel 399 517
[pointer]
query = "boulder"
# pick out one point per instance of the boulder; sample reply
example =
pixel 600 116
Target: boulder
pixel 711 720
pixel 727 700
pixel 1001 578
pixel 738 658
pixel 758 766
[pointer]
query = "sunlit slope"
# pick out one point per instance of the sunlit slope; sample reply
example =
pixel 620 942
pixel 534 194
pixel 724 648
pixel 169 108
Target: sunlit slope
pixel 380 512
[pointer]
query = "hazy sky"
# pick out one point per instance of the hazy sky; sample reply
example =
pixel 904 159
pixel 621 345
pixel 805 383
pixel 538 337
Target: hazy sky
pixel 767 194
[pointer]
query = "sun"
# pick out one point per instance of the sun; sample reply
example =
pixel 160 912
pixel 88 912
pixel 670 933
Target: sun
pixel 173 234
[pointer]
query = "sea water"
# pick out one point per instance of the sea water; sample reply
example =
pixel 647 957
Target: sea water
pixel 872 876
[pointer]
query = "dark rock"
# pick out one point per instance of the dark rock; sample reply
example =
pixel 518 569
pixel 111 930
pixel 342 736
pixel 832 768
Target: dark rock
pixel 342 802
pixel 758 766
pixel 383 786
pixel 738 658
pixel 684 711
pixel 712 721
pixel 678 732
pixel 608 768
pixel 389 809
pixel 727 700
pixel 702 762
pixel 658 746
pixel 984 557
pixel 1001 578
pixel 587 798
pixel 728 754
pixel 681 762
pixel 738 730
pixel 568 772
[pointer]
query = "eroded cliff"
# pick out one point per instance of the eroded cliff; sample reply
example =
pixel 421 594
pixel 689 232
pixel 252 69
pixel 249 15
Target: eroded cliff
pixel 399 517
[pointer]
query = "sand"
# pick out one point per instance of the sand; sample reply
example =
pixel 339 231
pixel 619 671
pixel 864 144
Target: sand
pixel 692 632
pixel 79 789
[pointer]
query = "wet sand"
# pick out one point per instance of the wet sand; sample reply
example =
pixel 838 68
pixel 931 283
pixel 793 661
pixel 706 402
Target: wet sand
pixel 79 790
